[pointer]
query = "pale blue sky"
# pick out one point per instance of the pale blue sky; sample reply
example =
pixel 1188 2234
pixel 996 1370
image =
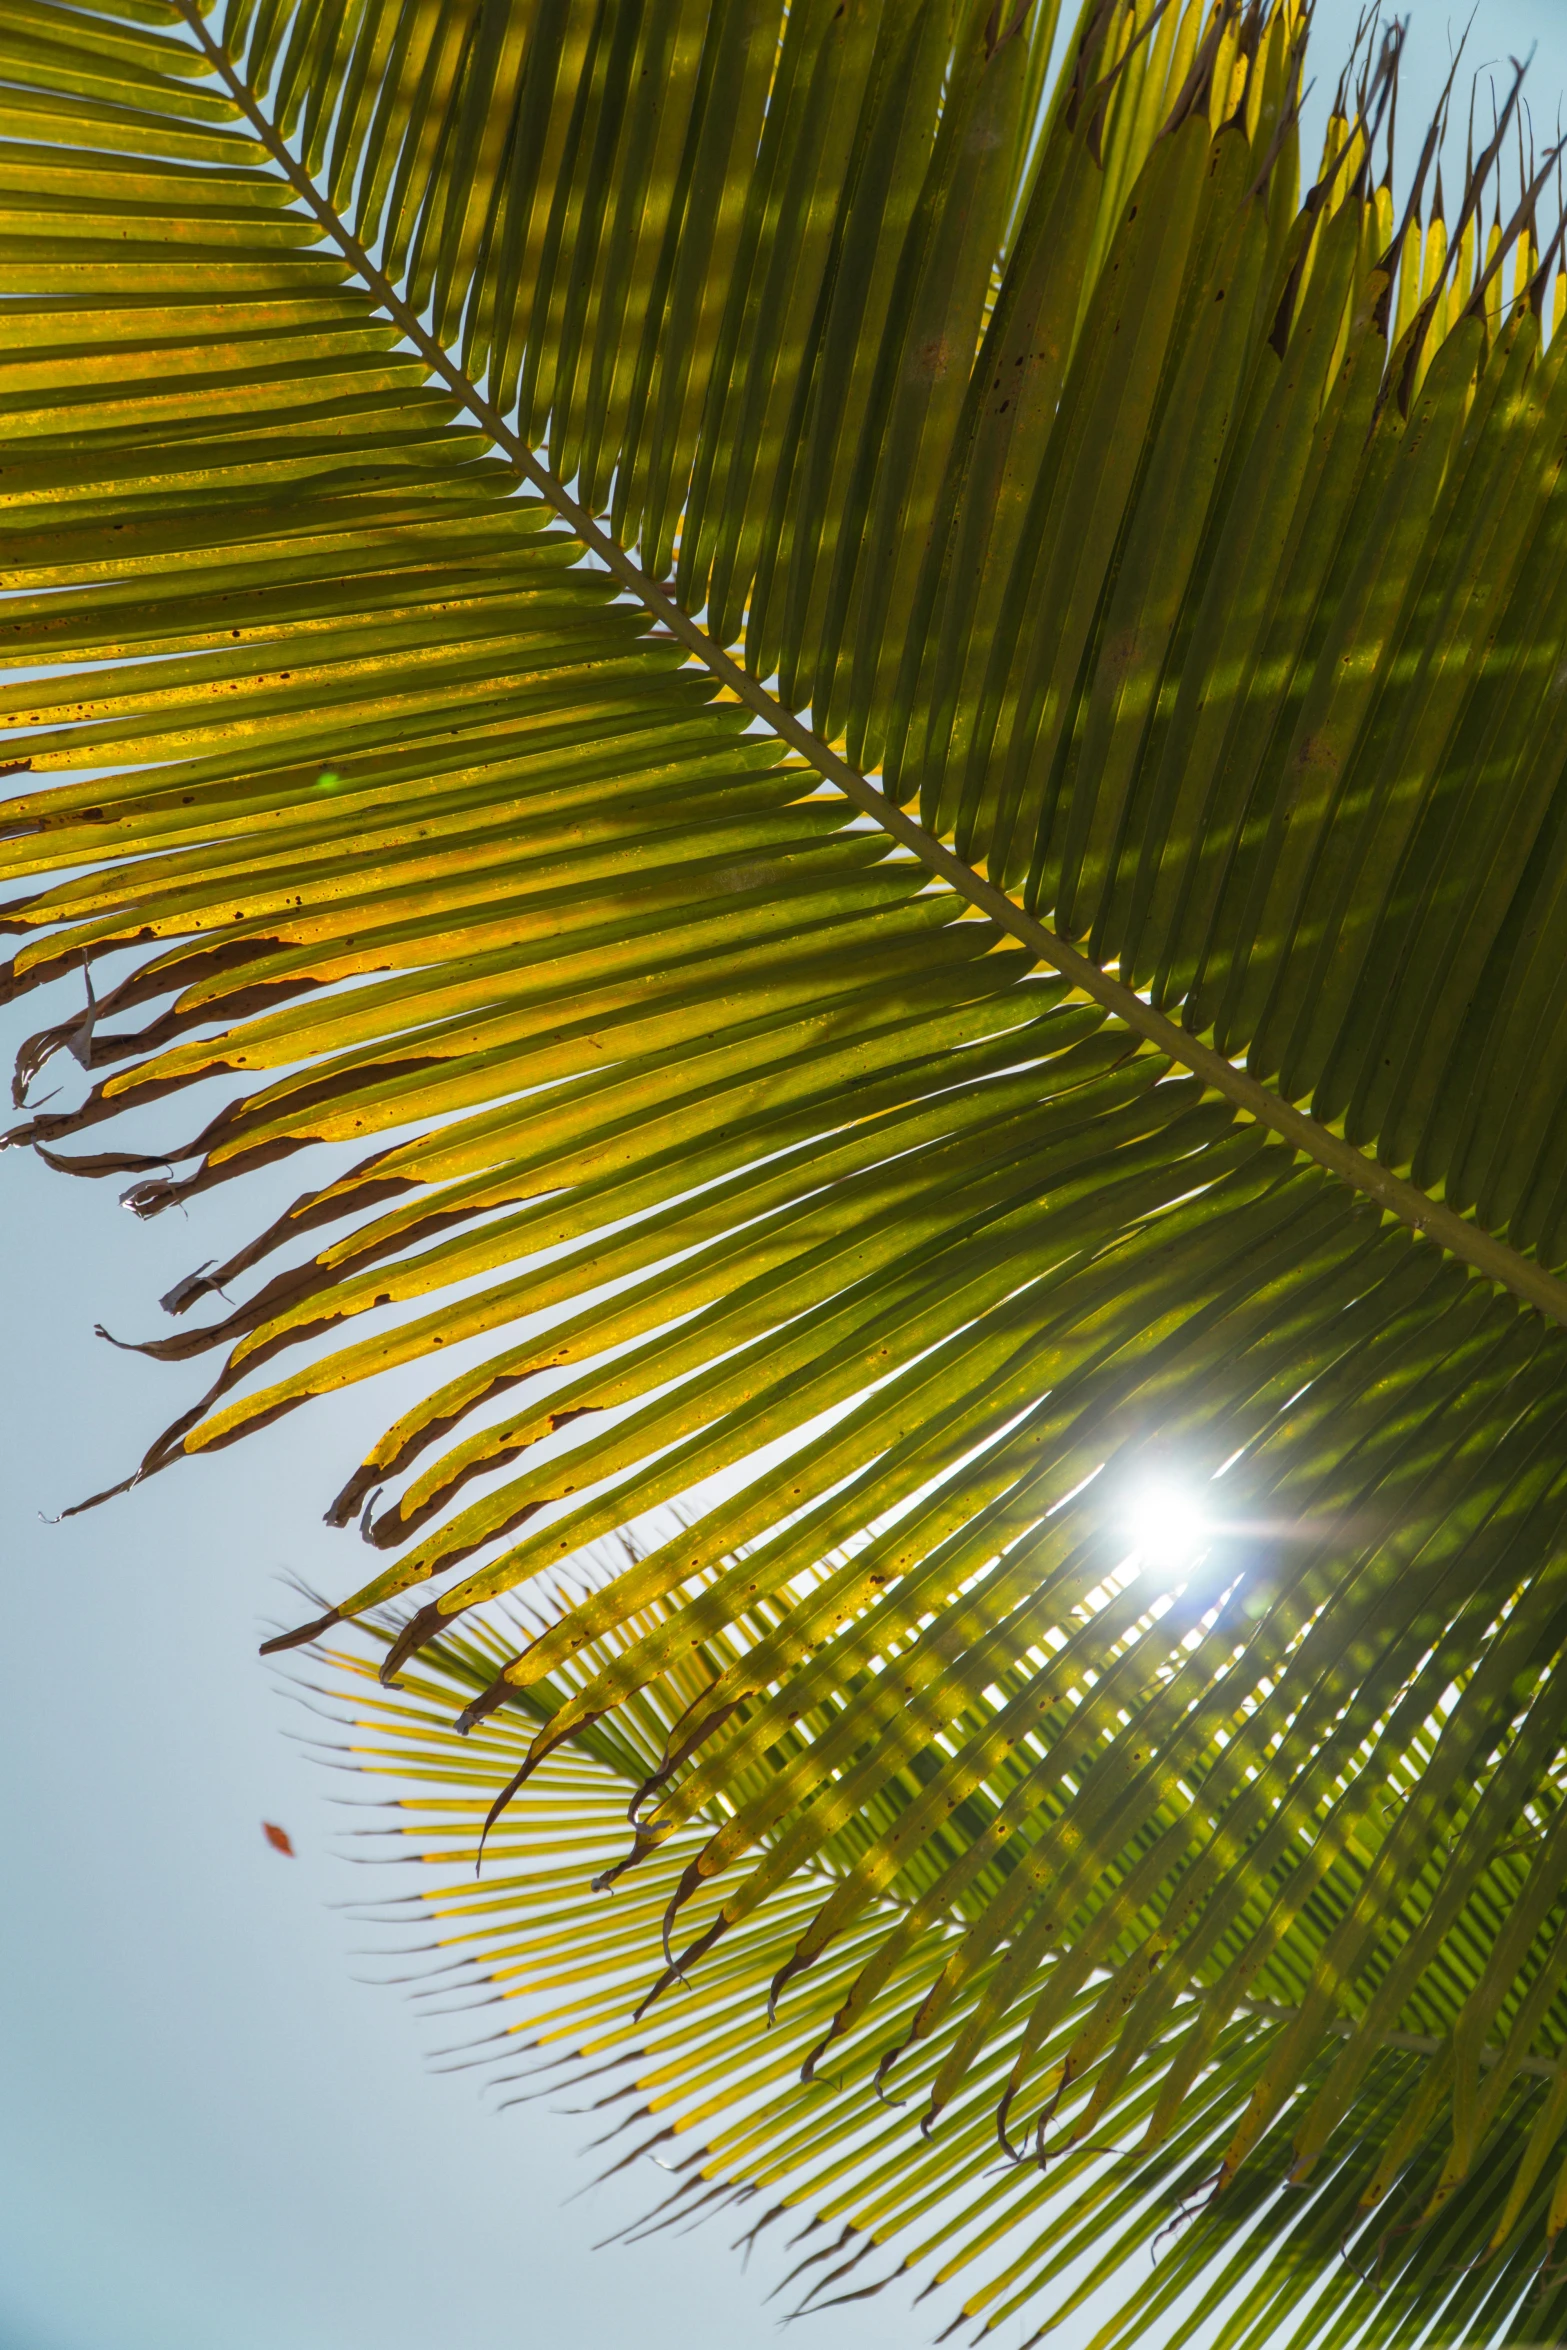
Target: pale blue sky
pixel 214 2137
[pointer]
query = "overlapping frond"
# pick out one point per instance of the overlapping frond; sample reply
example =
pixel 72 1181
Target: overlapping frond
pixel 820 2163
pixel 494 492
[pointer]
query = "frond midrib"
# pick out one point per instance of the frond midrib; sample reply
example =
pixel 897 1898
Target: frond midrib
pixel 1532 1283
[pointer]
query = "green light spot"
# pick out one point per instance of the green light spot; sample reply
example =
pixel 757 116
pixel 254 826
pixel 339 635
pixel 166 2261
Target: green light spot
pixel 329 780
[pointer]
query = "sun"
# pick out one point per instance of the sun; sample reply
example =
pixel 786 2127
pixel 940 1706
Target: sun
pixel 1164 1523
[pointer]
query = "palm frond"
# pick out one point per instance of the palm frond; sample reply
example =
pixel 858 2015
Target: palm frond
pixel 883 732
pixel 676 2072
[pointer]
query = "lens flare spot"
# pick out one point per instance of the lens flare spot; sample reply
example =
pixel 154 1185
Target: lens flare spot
pixel 1164 1524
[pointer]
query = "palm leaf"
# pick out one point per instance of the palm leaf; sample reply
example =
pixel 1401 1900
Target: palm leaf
pixel 880 733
